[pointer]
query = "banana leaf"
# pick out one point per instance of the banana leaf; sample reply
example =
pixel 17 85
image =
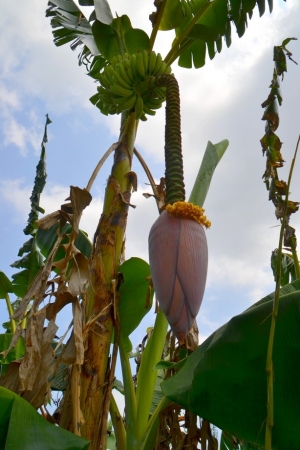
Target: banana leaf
pixel 225 381
pixel 23 428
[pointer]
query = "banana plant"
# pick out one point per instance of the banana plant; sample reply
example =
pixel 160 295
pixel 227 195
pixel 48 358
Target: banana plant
pixel 133 81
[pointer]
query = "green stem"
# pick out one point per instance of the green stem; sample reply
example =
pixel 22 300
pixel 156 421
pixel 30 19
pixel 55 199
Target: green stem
pixel 295 257
pixel 148 439
pixel 158 18
pixel 11 313
pixel 179 51
pixel 175 190
pixel 269 364
pixel 175 50
pixel 130 399
pixel 147 374
pixel 118 424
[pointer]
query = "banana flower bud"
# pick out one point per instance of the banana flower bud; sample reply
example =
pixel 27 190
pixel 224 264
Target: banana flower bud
pixel 178 260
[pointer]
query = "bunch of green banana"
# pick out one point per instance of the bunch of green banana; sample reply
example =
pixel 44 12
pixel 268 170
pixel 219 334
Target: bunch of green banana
pixel 128 83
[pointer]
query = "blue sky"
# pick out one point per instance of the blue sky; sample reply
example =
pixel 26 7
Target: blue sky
pixel 220 101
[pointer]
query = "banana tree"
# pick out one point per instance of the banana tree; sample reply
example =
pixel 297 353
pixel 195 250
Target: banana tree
pixel 134 81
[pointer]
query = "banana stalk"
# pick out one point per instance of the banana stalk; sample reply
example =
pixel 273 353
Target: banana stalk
pixel 96 374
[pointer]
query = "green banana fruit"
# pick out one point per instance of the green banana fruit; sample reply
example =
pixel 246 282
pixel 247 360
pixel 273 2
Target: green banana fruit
pixel 138 107
pixel 129 82
pixel 120 91
pixel 140 65
pixel 148 111
pixel 120 80
pixel 151 63
pixel 128 104
pixel 123 73
pixel 146 61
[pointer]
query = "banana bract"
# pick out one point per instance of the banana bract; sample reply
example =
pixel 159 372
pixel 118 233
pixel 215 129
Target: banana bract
pixel 178 260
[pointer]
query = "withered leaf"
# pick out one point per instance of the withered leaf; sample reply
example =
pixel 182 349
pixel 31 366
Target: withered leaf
pixel 80 199
pixel 289 237
pixel 48 221
pixel 132 176
pixel 125 196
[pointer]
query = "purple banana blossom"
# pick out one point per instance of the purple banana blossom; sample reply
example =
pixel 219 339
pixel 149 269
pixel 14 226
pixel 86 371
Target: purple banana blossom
pixel 178 260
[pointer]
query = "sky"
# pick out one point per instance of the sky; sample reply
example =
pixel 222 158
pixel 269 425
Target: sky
pixel 220 101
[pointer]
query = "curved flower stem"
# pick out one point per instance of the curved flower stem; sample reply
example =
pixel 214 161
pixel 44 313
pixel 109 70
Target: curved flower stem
pixel 149 175
pixel 175 190
pixel 100 164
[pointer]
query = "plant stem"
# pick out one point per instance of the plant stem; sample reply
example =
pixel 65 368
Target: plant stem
pixel 130 400
pixel 175 50
pixel 148 439
pixel 295 257
pixel 97 368
pixel 269 364
pixel 158 18
pixel 147 374
pixel 118 424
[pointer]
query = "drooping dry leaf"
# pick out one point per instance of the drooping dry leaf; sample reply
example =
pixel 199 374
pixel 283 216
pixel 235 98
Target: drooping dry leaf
pixel 80 199
pixel 48 221
pixel 69 352
pixel 63 298
pixel 132 176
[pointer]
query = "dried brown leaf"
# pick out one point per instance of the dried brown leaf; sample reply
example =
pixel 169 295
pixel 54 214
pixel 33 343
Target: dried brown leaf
pixel 63 298
pixel 80 199
pixel 11 380
pixel 125 196
pixel 48 221
pixel 132 176
pixel 69 352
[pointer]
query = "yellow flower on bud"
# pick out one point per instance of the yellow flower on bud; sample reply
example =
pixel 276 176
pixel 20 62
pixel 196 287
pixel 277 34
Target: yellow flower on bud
pixel 187 210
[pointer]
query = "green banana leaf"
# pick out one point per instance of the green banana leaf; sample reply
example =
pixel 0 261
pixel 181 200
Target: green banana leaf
pixel 5 285
pixel 47 238
pixel 21 427
pixel 136 296
pixel 198 25
pixel 211 159
pixel 109 37
pixel 202 24
pixel 102 10
pixel 225 380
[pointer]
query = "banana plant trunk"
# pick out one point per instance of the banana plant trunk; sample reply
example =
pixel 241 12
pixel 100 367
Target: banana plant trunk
pixel 96 375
